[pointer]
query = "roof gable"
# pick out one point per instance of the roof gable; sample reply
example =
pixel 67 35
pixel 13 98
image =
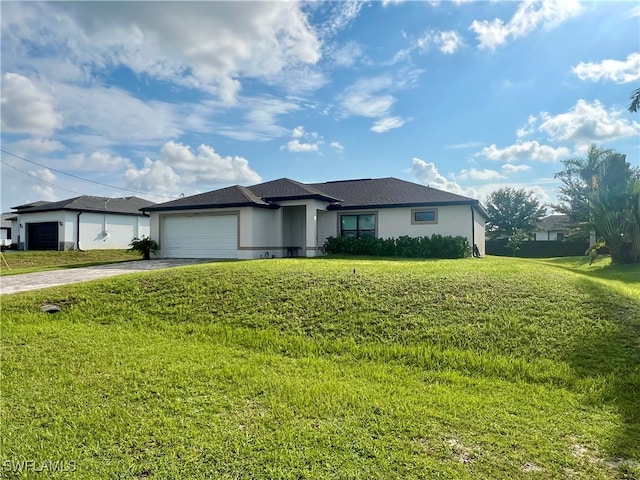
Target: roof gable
pixel 285 188
pixel 234 196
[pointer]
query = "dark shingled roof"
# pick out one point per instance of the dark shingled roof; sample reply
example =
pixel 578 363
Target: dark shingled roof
pixel 87 203
pixel 555 222
pixel 352 194
pixel 235 196
pixel 287 189
pixel 388 192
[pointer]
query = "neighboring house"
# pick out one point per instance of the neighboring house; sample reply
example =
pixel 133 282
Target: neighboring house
pixel 6 229
pixel 288 218
pixel 553 227
pixel 81 223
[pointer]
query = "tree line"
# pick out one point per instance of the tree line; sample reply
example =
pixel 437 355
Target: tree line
pixel 599 192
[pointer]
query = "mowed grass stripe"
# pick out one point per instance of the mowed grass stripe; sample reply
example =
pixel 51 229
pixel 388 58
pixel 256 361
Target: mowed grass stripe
pixel 303 369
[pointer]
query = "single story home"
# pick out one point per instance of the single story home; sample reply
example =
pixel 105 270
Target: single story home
pixel 288 218
pixel 80 223
pixel 5 229
pixel 553 227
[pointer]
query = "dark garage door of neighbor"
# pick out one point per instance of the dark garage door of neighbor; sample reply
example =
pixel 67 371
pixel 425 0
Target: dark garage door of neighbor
pixel 42 236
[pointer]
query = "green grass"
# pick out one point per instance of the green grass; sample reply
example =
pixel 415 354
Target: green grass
pixel 36 261
pixel 471 369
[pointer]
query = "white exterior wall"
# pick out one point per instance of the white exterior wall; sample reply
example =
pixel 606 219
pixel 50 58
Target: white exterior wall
pixel 40 217
pixel 315 210
pixel 100 231
pixel 546 236
pixel 327 226
pixel 454 220
pixel 121 228
pixel 480 236
pixel 260 232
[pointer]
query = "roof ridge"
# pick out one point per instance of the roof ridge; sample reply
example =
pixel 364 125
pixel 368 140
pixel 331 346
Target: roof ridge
pixel 249 195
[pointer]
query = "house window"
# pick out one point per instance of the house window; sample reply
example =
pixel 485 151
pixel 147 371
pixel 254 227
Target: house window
pixel 358 226
pixel 424 216
pixel 560 236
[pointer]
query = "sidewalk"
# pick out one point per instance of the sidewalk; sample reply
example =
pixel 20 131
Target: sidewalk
pixel 33 281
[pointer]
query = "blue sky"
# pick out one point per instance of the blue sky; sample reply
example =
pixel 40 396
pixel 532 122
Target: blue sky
pixel 171 98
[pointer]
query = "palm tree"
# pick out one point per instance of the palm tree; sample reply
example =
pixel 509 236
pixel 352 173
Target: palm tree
pixel 635 101
pixel 145 246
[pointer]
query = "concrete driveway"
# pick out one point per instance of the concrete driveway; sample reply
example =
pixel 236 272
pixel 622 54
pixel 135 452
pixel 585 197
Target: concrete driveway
pixel 34 281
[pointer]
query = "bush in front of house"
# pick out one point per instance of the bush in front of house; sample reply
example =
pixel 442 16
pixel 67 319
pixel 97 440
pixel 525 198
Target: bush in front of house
pixel 436 246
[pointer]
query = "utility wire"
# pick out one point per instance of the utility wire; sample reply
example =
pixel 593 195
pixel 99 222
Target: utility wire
pixel 81 178
pixel 39 179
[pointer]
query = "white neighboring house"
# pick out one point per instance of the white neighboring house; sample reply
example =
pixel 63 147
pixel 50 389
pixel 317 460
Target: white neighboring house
pixel 553 227
pixel 289 218
pixel 81 223
pixel 6 229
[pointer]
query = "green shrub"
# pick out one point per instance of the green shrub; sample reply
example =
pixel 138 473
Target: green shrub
pixel 145 246
pixel 435 246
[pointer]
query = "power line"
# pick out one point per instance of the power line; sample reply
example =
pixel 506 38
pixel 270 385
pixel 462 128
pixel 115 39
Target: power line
pixel 81 178
pixel 38 178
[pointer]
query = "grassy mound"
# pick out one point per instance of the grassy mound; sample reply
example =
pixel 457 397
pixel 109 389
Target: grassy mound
pixel 330 368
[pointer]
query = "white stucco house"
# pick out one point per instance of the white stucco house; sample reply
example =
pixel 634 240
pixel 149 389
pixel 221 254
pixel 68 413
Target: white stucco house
pixel 289 218
pixel 80 223
pixel 553 227
pixel 6 229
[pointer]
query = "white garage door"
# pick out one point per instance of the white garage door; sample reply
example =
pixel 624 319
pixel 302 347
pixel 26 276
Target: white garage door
pixel 201 236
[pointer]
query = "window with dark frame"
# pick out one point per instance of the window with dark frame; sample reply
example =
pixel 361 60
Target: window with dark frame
pixel 358 226
pixel 424 216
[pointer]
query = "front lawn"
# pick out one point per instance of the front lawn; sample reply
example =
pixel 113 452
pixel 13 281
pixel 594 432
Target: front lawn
pixel 329 368
pixel 39 261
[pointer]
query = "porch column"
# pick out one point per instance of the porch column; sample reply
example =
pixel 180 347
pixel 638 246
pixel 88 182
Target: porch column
pixel 311 230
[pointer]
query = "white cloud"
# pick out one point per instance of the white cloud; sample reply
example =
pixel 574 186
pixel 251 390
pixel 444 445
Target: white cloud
pixel 588 123
pixel 529 16
pixel 337 145
pixel 484 174
pixel 209 46
pixel 525 151
pixel 345 55
pixel 154 177
pixel 261 119
pixel 427 173
pixel 370 97
pixel 366 98
pixel 614 70
pixel 465 145
pixel 45 190
pixel 386 124
pixel 99 161
pixel 448 42
pixel 116 116
pixel 40 145
pixel 296 146
pixel 634 12
pixel 527 129
pixel 511 168
pixel 298 132
pixel 339 15
pixel 26 108
pixel 180 169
